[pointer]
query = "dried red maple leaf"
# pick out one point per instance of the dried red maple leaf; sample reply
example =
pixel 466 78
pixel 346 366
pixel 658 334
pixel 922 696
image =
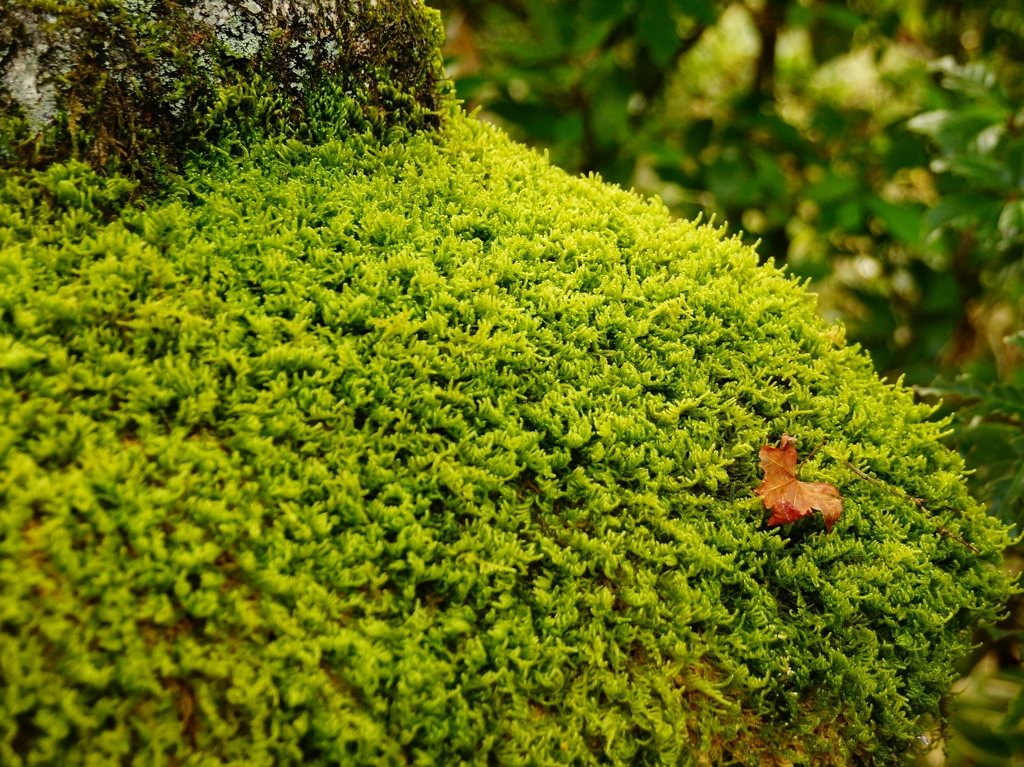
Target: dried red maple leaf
pixel 788 498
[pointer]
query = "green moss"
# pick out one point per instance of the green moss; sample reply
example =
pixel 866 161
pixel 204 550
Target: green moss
pixel 135 85
pixel 381 453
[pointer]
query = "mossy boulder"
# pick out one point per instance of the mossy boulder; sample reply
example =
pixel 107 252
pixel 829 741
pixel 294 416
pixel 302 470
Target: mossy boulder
pixel 406 447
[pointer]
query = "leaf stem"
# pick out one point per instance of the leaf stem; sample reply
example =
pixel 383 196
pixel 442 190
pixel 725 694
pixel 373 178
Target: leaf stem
pixel 807 458
pixel 919 502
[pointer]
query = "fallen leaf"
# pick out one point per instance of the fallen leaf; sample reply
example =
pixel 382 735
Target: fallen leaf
pixel 788 498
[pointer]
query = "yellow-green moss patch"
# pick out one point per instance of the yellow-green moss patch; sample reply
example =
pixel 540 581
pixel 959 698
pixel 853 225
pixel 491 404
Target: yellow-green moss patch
pixel 425 452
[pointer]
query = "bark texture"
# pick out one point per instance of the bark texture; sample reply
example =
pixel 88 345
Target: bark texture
pixel 138 83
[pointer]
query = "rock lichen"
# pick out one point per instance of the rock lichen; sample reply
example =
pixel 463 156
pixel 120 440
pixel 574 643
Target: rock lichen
pixel 132 85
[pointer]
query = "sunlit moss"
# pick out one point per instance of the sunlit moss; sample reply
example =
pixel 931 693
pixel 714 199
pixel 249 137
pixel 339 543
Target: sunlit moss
pixel 382 452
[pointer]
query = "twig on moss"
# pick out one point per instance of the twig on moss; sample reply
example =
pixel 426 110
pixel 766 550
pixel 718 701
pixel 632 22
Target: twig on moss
pixel 959 540
pixel 919 502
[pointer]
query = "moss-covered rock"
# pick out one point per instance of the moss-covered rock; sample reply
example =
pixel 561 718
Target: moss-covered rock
pixel 370 446
pixel 132 85
pixel 426 452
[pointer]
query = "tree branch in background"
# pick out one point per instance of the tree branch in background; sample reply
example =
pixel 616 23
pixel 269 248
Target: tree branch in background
pixel 658 83
pixel 769 19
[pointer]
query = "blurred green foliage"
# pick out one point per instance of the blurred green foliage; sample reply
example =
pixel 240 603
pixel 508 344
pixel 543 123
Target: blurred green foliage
pixel 978 158
pixel 874 146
